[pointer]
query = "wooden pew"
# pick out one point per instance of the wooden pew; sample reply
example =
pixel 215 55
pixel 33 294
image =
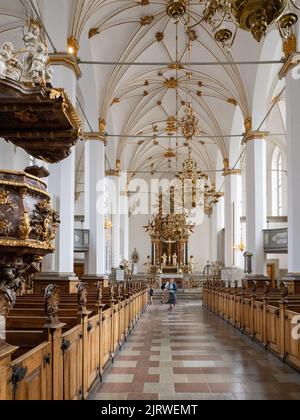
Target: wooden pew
pixel 266 315
pixel 66 347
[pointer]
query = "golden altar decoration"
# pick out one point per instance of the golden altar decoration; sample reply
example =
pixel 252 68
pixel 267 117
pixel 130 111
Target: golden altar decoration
pixel 169 235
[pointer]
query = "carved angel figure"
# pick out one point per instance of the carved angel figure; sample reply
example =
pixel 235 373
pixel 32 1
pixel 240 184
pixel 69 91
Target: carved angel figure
pixel 10 66
pixel 36 62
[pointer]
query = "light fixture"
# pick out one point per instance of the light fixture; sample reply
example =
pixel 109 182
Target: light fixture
pixel 227 16
pixel 73 46
pixel 108 224
pixel 211 197
pixel 189 124
pixel 191 181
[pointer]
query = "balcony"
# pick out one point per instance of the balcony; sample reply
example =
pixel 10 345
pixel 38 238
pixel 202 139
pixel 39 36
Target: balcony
pixel 276 241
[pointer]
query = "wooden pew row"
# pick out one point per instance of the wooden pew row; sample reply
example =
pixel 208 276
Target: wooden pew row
pixel 269 316
pixel 62 356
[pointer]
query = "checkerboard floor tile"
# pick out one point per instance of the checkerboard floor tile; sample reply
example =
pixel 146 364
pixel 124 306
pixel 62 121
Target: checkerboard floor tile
pixel 190 354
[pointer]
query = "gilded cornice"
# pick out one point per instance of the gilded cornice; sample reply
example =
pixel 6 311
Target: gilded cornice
pixel 292 61
pixel 67 60
pixel 94 136
pixel 255 135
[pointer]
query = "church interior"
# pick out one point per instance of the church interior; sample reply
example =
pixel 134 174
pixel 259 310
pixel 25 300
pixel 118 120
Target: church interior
pixel 149 200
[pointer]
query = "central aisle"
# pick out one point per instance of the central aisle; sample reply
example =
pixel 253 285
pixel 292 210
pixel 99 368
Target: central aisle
pixel 191 354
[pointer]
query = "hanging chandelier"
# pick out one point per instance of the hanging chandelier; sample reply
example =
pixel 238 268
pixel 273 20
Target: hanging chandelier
pixel 227 16
pixel 191 182
pixel 189 124
pixel 211 198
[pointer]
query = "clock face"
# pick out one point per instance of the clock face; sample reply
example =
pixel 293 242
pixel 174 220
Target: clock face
pixel 77 238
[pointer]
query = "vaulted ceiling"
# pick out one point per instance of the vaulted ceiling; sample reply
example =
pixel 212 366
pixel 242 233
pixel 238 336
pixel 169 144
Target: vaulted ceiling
pixel 141 103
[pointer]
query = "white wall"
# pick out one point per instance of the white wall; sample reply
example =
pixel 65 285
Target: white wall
pixel 139 239
pixel 12 158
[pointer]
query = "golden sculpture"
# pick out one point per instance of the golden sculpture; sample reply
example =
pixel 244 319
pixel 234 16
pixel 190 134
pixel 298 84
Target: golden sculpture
pixel 169 236
pixel 24 228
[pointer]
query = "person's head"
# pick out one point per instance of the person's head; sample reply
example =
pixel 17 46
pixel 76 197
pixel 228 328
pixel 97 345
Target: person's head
pixel 172 281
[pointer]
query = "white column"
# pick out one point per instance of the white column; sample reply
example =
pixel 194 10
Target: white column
pixel 114 192
pixel 256 200
pixel 213 235
pixel 228 214
pixel 232 217
pixel 124 218
pixel 95 212
pixel 293 148
pixel 61 186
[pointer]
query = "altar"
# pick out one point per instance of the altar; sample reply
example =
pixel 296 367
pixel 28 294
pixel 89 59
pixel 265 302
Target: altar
pixel 169 240
pixel 178 278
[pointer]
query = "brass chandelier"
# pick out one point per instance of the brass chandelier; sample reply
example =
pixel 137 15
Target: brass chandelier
pixel 227 16
pixel 191 181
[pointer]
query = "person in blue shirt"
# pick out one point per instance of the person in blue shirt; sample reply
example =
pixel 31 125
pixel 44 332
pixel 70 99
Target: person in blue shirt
pixel 172 288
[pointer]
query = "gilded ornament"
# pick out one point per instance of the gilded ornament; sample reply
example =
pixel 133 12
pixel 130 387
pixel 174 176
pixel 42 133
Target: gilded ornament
pixel 171 83
pixel 289 45
pixel 176 9
pixel 3 226
pixel 146 20
pixel 189 124
pixel 45 222
pixel 24 227
pixel 4 198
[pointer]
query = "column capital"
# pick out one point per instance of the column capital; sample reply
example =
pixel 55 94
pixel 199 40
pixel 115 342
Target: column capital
pixel 67 60
pixel 255 135
pixel 94 136
pixel 292 61
pixel 112 172
pixel 227 172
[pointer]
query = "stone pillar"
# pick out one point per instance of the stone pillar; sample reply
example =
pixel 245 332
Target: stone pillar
pixel 232 214
pixel 61 186
pixel 114 200
pixel 94 207
pixel 292 78
pixel 256 200
pixel 124 219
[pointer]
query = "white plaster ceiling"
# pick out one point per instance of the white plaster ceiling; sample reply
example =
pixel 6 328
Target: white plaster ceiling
pixel 142 103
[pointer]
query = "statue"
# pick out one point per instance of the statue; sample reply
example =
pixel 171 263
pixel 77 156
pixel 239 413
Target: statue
pixel 9 66
pixel 36 62
pixel 148 264
pixel 126 266
pixel 191 265
pixel 164 260
pixel 174 260
pixel 207 269
pixel 135 257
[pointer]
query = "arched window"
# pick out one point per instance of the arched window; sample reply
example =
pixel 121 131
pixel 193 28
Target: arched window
pixel 277 182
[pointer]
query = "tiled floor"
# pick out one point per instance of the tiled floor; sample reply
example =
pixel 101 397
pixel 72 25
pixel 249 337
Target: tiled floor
pixel 190 354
